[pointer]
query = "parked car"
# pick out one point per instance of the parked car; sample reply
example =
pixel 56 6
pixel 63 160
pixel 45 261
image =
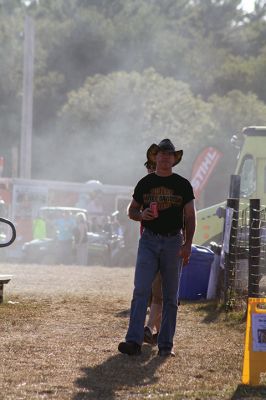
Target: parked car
pixel 104 248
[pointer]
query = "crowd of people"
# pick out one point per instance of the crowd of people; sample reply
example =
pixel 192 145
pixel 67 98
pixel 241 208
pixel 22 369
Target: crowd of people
pixel 70 230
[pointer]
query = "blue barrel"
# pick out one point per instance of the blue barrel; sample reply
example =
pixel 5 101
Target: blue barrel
pixel 195 275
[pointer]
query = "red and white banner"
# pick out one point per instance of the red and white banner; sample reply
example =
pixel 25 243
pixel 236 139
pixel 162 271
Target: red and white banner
pixel 203 167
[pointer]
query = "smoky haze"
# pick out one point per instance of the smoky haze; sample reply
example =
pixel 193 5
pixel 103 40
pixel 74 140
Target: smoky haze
pixel 114 154
pixel 78 137
pixel 112 145
pixel 111 148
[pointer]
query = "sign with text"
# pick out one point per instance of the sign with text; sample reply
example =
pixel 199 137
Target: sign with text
pixel 203 167
pixel 254 365
pixel 259 332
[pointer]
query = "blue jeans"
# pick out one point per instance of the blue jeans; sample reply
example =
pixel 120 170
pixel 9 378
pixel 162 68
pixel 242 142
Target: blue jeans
pixel 156 252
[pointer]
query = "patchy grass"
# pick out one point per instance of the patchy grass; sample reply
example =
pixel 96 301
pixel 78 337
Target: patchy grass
pixel 64 346
pixel 214 311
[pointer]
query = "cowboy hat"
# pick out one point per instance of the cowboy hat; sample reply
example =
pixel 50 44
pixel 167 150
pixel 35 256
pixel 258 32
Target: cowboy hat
pixel 164 145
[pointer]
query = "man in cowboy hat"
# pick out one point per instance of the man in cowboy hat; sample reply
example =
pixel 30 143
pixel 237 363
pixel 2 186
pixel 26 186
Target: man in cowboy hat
pixel 162 245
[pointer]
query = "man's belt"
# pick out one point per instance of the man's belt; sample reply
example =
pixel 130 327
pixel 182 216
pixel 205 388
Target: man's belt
pixel 164 234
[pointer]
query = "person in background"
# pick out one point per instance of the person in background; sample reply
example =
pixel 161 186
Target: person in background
pixel 39 227
pixel 107 225
pixel 50 226
pixel 94 225
pixel 161 246
pixel 81 239
pixel 64 225
pixel 116 226
pixel 152 328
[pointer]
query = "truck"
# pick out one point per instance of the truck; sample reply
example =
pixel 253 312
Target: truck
pixel 251 167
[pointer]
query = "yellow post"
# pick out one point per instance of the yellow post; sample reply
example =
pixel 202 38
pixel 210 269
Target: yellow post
pixel 255 342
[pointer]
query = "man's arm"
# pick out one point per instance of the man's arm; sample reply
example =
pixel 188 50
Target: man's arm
pixel 134 212
pixel 190 226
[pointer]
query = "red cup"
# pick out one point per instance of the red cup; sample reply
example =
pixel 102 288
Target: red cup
pixel 154 208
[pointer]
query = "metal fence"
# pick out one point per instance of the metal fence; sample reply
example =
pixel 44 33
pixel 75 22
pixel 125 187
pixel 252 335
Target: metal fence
pixel 245 259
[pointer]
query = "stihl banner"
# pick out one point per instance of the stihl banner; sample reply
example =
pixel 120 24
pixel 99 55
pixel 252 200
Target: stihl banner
pixel 203 167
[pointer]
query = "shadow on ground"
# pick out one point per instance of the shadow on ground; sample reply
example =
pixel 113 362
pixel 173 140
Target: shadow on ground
pixel 123 314
pixel 119 372
pixel 212 311
pixel 247 392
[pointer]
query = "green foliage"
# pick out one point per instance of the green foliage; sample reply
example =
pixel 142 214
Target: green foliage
pixel 131 72
pixel 129 111
pixel 237 110
pixel 146 99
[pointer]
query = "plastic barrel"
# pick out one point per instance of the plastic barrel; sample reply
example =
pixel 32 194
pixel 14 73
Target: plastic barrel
pixel 195 275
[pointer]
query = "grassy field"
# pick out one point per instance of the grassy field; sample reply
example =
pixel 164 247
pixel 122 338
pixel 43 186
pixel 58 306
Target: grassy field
pixel 60 327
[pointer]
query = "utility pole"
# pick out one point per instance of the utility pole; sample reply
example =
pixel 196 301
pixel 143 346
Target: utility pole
pixel 27 102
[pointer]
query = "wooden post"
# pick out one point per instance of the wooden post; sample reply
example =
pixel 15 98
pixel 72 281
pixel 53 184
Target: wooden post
pixel 234 191
pixel 230 258
pixel 254 248
pixel 27 100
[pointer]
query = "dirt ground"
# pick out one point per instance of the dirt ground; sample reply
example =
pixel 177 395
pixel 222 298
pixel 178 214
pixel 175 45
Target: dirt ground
pixel 60 327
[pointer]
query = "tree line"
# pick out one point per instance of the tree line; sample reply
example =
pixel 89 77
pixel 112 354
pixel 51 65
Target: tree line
pixel 113 76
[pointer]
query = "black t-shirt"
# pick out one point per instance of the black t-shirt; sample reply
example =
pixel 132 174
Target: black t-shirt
pixel 170 193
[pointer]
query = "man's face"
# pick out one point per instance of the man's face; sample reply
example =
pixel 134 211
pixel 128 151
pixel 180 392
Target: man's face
pixel 165 159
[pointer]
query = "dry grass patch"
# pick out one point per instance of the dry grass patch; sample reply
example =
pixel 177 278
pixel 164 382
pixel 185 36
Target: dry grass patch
pixel 66 348
pixel 63 346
